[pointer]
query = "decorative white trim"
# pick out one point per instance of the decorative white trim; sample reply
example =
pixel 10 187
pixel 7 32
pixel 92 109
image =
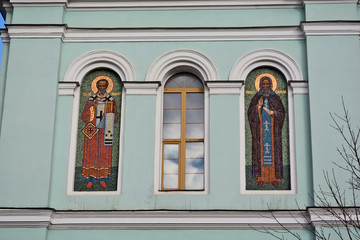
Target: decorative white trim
pixel 182 60
pixel 329 1
pixel 331 28
pixel 291 71
pixel 35 31
pixel 75 73
pixel 100 59
pixel 179 61
pixel 154 34
pixel 225 87
pixel 137 88
pixel 4 35
pixel 299 87
pixel 266 57
pixel 151 220
pixel 67 88
pixel 182 4
pixel 188 34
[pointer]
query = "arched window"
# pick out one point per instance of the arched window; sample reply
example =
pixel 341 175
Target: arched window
pixel 267 130
pixel 183 133
pixel 97 149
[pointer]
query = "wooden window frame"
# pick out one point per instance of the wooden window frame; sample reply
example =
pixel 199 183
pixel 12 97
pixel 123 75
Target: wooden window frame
pixel 182 141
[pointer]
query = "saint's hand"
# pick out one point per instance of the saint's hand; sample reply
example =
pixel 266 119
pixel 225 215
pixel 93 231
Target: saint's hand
pixel 260 103
pixel 95 102
pixel 271 112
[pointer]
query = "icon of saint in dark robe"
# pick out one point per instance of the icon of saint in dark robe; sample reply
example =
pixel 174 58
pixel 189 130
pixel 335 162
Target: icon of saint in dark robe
pixel 99 116
pixel 266 115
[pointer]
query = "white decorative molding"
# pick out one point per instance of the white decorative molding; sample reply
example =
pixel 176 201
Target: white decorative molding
pixel 179 61
pixel 96 59
pixel 299 87
pixel 154 34
pixel 180 4
pixel 225 87
pixel 4 35
pixel 170 63
pixel 331 28
pixel 100 59
pixel 152 220
pixel 292 72
pixel 67 88
pixel 266 57
pixel 329 1
pixel 141 87
pixel 36 31
pixel 181 34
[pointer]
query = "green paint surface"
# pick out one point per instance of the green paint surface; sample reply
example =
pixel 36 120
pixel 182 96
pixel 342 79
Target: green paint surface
pixel 28 122
pixel 326 12
pixel 186 18
pixel 23 234
pixel 38 15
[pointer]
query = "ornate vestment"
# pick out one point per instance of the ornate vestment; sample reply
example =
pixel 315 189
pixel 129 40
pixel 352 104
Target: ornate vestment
pixel 267 159
pixel 98 143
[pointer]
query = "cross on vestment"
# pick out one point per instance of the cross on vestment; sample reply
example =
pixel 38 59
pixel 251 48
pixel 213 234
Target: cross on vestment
pixel 266 123
pixel 101 116
pixel 267 145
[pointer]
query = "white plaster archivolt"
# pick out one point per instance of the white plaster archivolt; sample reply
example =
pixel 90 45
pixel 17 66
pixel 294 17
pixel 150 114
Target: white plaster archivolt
pixel 97 59
pixel 266 57
pixel 293 75
pixel 182 60
pixel 100 59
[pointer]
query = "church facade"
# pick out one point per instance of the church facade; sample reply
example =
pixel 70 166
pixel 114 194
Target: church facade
pixel 172 119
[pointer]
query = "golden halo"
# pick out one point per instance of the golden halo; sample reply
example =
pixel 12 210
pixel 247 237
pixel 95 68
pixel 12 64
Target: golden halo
pixel 273 79
pixel 94 88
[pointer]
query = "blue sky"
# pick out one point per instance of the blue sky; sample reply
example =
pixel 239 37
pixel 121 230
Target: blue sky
pixel 1 26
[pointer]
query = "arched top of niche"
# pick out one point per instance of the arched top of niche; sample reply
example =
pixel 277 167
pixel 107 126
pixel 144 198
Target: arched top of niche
pixel 266 58
pixel 182 60
pixel 98 59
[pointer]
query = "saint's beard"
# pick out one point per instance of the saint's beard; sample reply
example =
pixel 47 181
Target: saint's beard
pixel 102 92
pixel 266 92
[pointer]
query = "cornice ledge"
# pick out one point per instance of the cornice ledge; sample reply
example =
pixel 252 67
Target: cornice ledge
pixel 331 28
pixel 4 35
pixel 36 31
pixel 329 1
pixel 181 4
pixel 184 34
pixel 21 218
pixel 225 87
pixel 299 87
pixel 322 217
pixel 67 88
pixel 141 87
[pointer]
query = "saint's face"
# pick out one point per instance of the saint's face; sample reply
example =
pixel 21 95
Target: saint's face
pixel 265 84
pixel 102 85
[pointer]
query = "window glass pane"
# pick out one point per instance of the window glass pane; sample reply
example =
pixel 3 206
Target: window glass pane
pixel 171 181
pixel 171 131
pixel 194 165
pixel 195 100
pixel 172 116
pixel 195 150
pixel 194 115
pixel 171 151
pixel 194 181
pixel 172 101
pixel 171 166
pixel 196 83
pixel 172 83
pixel 194 130
pixel 184 80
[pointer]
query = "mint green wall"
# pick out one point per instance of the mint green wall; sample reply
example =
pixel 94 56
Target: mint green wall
pixel 333 72
pixel 325 12
pixel 28 122
pixel 167 234
pixel 38 15
pixel 223 54
pixel 23 233
pixel 3 70
pixel 186 18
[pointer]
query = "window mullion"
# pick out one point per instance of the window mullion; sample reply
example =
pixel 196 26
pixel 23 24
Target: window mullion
pixel 182 142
